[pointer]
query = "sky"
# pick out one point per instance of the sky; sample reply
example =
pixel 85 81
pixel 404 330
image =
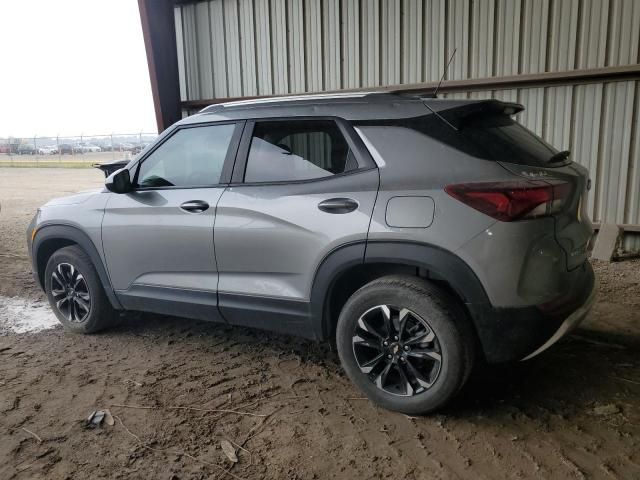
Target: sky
pixel 72 67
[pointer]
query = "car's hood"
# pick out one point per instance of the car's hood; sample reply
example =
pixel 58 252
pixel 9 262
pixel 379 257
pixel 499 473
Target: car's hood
pixel 74 199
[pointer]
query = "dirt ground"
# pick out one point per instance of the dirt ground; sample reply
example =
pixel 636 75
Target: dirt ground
pixel 571 413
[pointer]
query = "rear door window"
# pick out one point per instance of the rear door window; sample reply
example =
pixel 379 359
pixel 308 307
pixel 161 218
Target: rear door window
pixel 283 151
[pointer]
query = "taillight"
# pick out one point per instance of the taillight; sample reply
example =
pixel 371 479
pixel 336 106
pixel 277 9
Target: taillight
pixel 509 201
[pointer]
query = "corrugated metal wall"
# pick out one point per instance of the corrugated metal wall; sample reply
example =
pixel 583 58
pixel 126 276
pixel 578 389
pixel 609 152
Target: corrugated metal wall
pixel 232 48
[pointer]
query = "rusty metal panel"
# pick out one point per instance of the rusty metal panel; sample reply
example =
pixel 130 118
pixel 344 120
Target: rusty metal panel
pixel 390 41
pixel 482 39
pixel 247 47
pixel 232 48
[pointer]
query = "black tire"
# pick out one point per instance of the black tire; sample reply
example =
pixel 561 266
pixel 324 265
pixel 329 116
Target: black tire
pixel 99 314
pixel 429 308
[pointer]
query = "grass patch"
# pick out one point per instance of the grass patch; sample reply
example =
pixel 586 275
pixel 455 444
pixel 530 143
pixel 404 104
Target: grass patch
pixel 46 164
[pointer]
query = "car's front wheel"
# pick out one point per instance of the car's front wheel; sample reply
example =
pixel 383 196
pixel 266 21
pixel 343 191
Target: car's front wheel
pixel 405 343
pixel 75 293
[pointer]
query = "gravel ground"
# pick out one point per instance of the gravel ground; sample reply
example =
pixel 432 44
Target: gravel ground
pixel 570 413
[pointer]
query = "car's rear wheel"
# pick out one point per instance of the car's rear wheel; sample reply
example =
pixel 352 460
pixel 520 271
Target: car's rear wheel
pixel 405 343
pixel 75 293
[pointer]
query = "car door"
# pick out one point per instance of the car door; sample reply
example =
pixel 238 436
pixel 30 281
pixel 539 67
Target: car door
pixel 158 239
pixel 301 189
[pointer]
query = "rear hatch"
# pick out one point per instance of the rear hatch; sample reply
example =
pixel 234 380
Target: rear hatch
pixel 573 228
pixel 486 130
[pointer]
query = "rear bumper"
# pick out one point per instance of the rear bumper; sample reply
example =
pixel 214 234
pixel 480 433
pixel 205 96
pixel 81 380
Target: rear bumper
pixel 512 334
pixel 571 322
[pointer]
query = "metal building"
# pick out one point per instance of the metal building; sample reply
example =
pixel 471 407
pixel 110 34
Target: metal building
pixel 574 64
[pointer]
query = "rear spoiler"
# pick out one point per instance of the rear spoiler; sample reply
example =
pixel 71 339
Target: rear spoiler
pixel 109 168
pixel 456 116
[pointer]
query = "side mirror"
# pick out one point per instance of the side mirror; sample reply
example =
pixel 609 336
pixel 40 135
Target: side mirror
pixel 119 181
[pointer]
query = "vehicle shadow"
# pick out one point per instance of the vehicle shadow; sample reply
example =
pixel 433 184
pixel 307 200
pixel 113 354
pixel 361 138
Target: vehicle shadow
pixel 584 369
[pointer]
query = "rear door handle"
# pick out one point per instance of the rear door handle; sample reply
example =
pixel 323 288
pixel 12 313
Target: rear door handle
pixel 338 205
pixel 194 206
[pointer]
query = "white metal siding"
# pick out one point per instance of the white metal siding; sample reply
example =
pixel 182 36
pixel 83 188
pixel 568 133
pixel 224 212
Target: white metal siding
pixel 231 48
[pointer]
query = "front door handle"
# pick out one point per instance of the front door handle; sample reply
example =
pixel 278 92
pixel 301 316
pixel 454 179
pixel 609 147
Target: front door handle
pixel 338 205
pixel 194 206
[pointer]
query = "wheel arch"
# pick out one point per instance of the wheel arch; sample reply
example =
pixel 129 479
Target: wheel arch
pixel 347 268
pixel 52 237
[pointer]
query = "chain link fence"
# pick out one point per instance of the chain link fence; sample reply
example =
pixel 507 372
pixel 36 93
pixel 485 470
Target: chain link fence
pixel 82 150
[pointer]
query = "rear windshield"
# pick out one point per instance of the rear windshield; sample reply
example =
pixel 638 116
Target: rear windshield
pixel 495 137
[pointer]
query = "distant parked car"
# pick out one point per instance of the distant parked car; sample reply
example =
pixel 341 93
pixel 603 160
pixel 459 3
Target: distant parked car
pixel 123 147
pixel 138 148
pixel 26 149
pixel 86 148
pixel 67 148
pixel 48 150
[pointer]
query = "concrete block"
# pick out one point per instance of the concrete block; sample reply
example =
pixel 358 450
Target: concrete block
pixel 606 242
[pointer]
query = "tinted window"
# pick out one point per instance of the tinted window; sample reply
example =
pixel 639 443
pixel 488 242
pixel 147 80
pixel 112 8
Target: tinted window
pixel 494 137
pixel 190 157
pixel 303 150
pixel 500 138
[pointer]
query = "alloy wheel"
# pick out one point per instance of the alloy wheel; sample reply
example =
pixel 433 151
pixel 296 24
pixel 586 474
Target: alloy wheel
pixel 397 349
pixel 70 292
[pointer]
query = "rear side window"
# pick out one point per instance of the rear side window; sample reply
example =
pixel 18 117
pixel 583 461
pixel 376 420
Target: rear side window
pixel 190 157
pixel 500 138
pixel 495 137
pixel 297 150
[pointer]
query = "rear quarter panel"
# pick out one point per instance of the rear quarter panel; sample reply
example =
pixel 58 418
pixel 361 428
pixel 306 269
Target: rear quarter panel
pixel 518 263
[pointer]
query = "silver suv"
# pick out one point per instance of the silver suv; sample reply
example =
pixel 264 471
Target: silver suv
pixel 420 234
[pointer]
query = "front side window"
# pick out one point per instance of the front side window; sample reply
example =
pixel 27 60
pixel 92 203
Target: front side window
pixel 297 150
pixel 190 157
